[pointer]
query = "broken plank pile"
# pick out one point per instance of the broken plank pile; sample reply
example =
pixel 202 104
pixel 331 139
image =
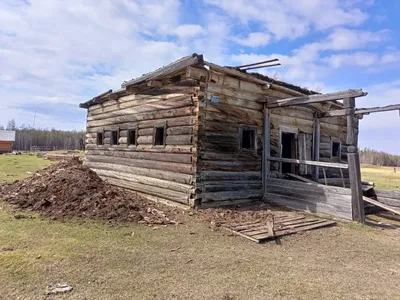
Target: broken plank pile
pixel 260 231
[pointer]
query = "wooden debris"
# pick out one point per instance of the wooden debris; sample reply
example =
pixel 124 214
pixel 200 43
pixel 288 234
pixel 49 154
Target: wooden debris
pixel 381 205
pixel 301 178
pixel 275 227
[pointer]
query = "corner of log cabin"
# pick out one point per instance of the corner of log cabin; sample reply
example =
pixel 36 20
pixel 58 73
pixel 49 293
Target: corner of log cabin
pixel 158 172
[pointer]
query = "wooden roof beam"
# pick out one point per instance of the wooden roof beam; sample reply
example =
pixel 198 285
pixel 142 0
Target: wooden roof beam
pixel 361 111
pixel 318 98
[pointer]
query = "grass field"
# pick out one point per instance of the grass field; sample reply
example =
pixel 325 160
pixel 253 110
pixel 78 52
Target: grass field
pixel 15 167
pixel 383 177
pixel 189 261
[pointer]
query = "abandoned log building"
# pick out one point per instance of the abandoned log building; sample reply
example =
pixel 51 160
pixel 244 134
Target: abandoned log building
pixel 203 135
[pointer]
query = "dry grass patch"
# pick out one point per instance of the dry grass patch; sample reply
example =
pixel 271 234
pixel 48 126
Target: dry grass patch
pixel 384 177
pixel 190 261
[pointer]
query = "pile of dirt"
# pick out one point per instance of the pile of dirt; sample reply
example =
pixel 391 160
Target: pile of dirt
pixel 70 189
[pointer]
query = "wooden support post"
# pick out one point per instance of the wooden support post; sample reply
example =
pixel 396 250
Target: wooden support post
pixel 316 145
pixel 266 146
pixel 353 158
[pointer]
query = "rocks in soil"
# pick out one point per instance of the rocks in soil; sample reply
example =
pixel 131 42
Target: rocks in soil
pixel 70 189
pixel 58 289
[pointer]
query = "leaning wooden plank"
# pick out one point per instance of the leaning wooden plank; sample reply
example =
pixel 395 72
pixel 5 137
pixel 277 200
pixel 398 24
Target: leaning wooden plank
pixel 301 178
pixel 309 162
pixel 381 205
pixel 351 93
pixel 264 237
pixel 245 227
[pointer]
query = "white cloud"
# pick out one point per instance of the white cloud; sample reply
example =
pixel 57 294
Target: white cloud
pixel 254 39
pixel 188 30
pixel 292 19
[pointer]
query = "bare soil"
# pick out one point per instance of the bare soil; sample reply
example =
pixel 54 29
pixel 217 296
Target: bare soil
pixel 70 189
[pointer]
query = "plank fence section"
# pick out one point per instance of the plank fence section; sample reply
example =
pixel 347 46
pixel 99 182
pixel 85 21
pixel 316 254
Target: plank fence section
pixel 273 228
pixel 310 197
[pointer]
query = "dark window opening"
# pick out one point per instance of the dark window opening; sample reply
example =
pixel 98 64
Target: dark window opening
pixel 100 138
pixel 114 137
pixel 288 151
pixel 248 139
pixel 159 136
pixel 335 149
pixel 131 137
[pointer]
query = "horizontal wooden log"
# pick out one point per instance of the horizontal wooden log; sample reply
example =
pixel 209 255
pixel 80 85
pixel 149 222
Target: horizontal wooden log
pixel 147 148
pixel 156 165
pixel 230 165
pixel 301 100
pixel 153 173
pixel 231 195
pixel 146 131
pixel 361 111
pixel 217 89
pixel 224 175
pixel 151 190
pixel 158 156
pixel 145 139
pixel 309 162
pixel 239 156
pixel 225 186
pixel 160 183
pixel 233 101
pixel 303 185
pixel 309 205
pixel 162 114
pixel 226 203
pixel 151 107
pixel 179 140
pixel 172 122
pixel 180 130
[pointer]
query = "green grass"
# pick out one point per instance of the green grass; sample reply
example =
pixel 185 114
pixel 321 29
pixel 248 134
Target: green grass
pixel 383 177
pixel 14 167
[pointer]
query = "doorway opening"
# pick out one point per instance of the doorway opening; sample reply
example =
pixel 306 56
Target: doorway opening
pixel 288 141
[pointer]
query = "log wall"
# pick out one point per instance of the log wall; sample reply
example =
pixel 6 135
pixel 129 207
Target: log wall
pixel 229 174
pixel 158 172
pixel 310 197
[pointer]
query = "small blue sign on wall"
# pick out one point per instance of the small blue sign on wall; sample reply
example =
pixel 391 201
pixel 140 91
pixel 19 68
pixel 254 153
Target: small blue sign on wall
pixel 214 99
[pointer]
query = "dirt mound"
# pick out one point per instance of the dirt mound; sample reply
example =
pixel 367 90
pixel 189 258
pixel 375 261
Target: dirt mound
pixel 70 189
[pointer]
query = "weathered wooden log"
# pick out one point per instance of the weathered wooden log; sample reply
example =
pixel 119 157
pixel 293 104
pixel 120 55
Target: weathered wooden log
pixel 160 174
pixel 160 183
pixel 179 140
pixel 225 175
pixel 151 190
pixel 156 106
pixel 145 139
pixel 157 165
pixel 162 114
pixel 146 148
pixel 167 157
pixel 180 130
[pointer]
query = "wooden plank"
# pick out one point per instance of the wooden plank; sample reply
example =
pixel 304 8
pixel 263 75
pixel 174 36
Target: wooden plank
pixel 266 146
pixel 316 145
pixel 316 98
pixel 263 237
pixel 301 178
pixel 381 205
pixel 241 234
pixel 361 111
pixel 309 162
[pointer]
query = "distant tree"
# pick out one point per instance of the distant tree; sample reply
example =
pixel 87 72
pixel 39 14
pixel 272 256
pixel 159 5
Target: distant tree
pixel 379 158
pixel 1 127
pixel 11 125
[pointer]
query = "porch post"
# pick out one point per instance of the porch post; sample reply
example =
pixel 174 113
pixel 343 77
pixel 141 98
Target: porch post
pixel 316 145
pixel 266 147
pixel 353 158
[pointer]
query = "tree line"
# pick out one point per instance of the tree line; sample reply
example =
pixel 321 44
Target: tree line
pixel 27 137
pixel 379 158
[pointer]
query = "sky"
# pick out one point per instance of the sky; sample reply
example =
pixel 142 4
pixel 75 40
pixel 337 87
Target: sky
pixel 55 54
